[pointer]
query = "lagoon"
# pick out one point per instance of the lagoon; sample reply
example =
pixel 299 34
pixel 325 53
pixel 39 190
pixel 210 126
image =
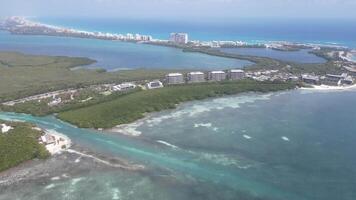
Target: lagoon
pixel 115 55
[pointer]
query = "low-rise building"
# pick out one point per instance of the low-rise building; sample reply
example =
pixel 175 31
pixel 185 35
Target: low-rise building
pixel 236 74
pixel 347 81
pixel 217 75
pixel 174 78
pixel 310 79
pixel 124 87
pixel 196 77
pixel 332 79
pixel 154 84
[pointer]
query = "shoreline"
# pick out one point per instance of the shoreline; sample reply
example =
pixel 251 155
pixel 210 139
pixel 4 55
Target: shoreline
pixel 66 165
pixel 24 26
pixel 329 88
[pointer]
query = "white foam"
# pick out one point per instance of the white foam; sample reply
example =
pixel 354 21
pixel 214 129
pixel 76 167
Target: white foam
pixel 50 186
pixel 285 138
pixel 203 125
pixel 76 180
pixel 167 144
pixel 200 107
pixel 129 129
pixel 55 178
pixel 247 137
pixel 116 194
pixel 65 176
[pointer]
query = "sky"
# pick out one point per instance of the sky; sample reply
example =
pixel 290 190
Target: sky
pixel 181 9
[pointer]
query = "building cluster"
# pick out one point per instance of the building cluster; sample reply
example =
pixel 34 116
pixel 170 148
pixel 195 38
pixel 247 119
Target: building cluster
pixel 328 79
pixel 123 87
pixel 197 77
pixel 179 38
pixel 271 75
pixel 217 44
pixel 21 25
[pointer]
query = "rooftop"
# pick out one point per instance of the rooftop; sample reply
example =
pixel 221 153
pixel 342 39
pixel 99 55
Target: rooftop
pixel 217 72
pixel 196 73
pixel 174 74
pixel 237 70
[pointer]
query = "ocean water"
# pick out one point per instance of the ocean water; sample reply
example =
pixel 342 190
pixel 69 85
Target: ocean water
pixel 114 55
pixel 301 56
pixel 327 31
pixel 295 145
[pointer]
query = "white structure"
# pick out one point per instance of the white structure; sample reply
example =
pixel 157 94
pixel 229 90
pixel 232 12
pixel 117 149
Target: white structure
pixel 179 38
pixel 154 84
pixel 5 128
pixel 217 75
pixel 196 77
pixel 236 74
pixel 124 87
pixel 55 102
pixel 175 78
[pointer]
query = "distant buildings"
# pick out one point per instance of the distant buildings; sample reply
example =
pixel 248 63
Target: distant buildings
pixel 310 79
pixel 124 87
pixel 154 84
pixel 195 77
pixel 236 74
pixel 217 75
pixel 175 78
pixel 331 79
pixel 179 38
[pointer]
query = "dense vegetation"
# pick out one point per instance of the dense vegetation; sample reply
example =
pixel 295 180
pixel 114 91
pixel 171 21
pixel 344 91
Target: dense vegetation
pixel 265 63
pixel 24 75
pixel 130 107
pixel 20 144
pixel 41 108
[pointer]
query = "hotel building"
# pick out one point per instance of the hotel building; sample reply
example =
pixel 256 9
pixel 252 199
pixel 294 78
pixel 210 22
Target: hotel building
pixel 196 77
pixel 236 74
pixel 179 38
pixel 174 78
pixel 217 75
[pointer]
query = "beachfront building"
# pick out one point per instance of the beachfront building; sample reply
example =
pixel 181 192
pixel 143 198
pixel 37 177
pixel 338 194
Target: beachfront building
pixel 332 79
pixel 154 85
pixel 124 87
pixel 347 81
pixel 196 77
pixel 310 79
pixel 179 38
pixel 217 75
pixel 236 74
pixel 174 78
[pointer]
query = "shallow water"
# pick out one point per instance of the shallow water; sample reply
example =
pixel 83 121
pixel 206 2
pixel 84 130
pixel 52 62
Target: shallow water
pixel 289 145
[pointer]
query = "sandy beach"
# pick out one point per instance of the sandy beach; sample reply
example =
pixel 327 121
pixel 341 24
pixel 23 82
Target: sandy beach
pixel 330 88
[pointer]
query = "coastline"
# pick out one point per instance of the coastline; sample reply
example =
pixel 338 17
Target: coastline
pixel 329 88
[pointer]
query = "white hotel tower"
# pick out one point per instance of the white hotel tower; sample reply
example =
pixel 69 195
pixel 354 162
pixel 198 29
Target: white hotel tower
pixel 179 38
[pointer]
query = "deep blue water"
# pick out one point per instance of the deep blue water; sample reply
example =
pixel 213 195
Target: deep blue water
pixel 301 56
pixel 113 55
pixel 294 145
pixel 328 31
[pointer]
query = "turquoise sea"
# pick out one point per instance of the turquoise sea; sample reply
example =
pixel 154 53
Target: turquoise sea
pixel 295 145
